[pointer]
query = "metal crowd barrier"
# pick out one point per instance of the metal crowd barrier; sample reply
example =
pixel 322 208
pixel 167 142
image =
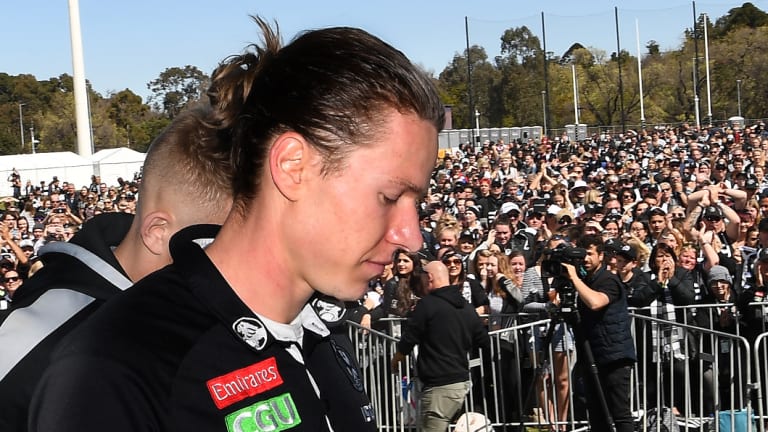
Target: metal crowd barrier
pixel 707 378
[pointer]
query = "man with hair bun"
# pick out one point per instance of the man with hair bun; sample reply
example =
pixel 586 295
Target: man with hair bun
pixel 333 136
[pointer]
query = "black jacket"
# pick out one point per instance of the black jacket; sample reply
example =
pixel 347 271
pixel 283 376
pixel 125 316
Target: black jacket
pixel 446 328
pixel 77 278
pixel 181 351
pixel 607 330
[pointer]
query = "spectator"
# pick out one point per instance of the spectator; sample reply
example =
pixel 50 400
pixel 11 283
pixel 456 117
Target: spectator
pixel 724 318
pixel 670 285
pixel 470 288
pixel 540 296
pixel 446 329
pixel 398 299
pixel 11 282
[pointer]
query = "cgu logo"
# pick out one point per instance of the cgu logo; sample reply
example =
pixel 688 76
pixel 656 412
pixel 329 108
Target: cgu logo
pixel 273 415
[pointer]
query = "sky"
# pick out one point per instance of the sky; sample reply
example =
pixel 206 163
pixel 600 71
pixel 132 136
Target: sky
pixel 128 43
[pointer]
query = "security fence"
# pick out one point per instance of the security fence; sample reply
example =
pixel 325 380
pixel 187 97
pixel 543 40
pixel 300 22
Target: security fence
pixel 687 373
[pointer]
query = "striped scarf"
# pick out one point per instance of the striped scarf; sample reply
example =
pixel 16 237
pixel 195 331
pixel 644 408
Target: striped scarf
pixel 666 338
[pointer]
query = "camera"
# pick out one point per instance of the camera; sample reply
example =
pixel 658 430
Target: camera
pixel 562 254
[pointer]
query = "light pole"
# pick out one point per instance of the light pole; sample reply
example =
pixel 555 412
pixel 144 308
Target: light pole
pixel 21 124
pixel 477 128
pixel 544 109
pixel 738 94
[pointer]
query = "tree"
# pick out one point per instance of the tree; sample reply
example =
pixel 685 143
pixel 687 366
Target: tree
pixel 176 88
pixel 745 16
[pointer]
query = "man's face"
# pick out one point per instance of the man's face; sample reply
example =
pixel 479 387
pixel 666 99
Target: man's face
pixel 503 234
pixel 657 223
pixel 593 260
pixel 377 203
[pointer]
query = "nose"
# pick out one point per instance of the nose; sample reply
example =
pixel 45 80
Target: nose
pixel 404 229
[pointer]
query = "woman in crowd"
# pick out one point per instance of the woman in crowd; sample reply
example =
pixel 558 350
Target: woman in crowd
pixel 23 226
pixel 501 278
pixel 470 288
pixel 611 228
pixel 399 300
pixel 670 285
pixel 540 297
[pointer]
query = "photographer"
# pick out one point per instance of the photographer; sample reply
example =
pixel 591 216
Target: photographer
pixel 605 330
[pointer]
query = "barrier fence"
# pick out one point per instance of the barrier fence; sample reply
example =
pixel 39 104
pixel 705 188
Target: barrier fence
pixel 696 376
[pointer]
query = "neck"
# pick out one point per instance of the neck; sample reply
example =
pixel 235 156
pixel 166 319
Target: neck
pixel 260 272
pixel 134 257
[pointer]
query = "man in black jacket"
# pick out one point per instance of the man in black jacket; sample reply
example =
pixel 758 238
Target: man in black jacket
pixel 605 329
pixel 109 254
pixel 446 328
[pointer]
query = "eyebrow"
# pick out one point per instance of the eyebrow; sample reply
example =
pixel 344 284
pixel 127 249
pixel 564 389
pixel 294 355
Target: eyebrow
pixel 421 192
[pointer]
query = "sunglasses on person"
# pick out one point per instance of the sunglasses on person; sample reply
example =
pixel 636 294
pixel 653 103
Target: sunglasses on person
pixel 452 261
pixel 565 220
pixel 11 279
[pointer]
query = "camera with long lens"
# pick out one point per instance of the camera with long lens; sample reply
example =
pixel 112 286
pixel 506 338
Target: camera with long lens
pixel 562 254
pixel 552 266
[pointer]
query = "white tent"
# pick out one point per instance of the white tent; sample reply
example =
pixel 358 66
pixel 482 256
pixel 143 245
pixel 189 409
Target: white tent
pixel 117 162
pixel 70 167
pixel 67 166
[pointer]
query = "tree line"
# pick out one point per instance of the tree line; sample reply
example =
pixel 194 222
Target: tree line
pixel 506 90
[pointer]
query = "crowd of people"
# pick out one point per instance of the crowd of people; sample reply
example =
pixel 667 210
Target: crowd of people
pixel 278 165
pixel 35 215
pixel 676 216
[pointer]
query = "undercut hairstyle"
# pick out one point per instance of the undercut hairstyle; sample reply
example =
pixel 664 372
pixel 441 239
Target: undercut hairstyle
pixel 333 86
pixel 189 156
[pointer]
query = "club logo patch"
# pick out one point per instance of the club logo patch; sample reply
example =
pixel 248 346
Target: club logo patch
pixel 251 331
pixel 348 365
pixel 329 309
pixel 369 414
pixel 274 415
pixel 243 383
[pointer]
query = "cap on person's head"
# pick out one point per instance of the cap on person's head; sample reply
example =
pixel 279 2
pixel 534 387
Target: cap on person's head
pixel 466 236
pixel 6 263
pixel 719 273
pixel 509 207
pixel 27 243
pixel 751 184
pixel 38 226
pixel 626 251
pixel 564 217
pixel 712 213
pixel 553 210
pixel 474 210
pixel 579 184
pixel 531 212
pixel 496 184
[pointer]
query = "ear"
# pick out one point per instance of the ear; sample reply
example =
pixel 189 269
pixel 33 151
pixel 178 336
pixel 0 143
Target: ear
pixel 156 232
pixel 290 160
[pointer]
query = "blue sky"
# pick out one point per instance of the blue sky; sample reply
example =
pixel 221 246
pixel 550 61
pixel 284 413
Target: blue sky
pixel 128 43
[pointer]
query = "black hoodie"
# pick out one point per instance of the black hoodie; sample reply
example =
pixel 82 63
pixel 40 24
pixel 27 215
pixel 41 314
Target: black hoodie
pixel 77 278
pixel 446 328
